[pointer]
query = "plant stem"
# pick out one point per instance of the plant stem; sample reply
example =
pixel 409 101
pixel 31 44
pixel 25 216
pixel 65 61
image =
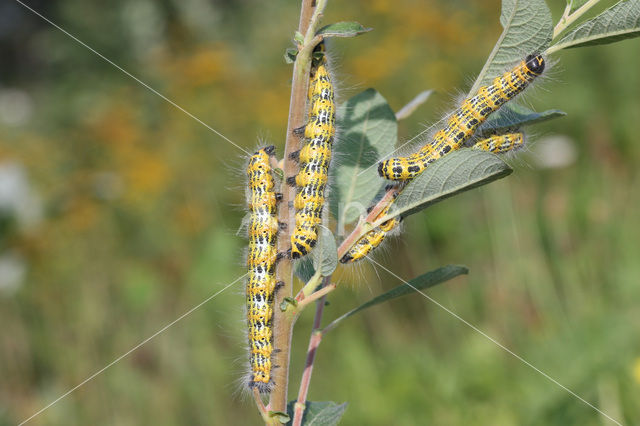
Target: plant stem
pixel 314 342
pixel 258 400
pixel 568 19
pixel 315 296
pixel 310 13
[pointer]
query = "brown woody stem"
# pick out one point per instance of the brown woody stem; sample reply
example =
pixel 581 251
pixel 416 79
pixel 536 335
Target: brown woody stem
pixel 310 13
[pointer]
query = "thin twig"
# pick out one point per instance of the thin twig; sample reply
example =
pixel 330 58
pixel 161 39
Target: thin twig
pixel 567 19
pixel 309 287
pixel 258 399
pixel 314 342
pixel 315 296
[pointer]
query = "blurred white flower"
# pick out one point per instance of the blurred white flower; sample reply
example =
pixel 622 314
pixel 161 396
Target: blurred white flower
pixel 554 152
pixel 16 107
pixel 17 198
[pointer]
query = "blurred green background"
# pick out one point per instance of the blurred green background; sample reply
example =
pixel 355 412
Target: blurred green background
pixel 118 213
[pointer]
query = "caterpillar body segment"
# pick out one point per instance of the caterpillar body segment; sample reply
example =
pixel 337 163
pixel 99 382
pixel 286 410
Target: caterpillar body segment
pixel 314 159
pixel 261 262
pixel 372 239
pixel 462 124
pixel 499 144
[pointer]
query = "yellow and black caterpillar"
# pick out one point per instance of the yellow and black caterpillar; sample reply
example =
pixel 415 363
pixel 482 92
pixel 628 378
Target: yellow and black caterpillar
pixel 499 144
pixel 261 262
pixel 463 122
pixel 314 159
pixel 372 239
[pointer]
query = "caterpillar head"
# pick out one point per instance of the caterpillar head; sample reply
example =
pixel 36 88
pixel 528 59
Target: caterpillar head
pixel 535 63
pixel 270 150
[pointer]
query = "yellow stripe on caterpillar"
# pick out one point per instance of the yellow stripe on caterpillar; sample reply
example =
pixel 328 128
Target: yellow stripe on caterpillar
pixel 499 144
pixel 314 158
pixel 261 261
pixel 465 120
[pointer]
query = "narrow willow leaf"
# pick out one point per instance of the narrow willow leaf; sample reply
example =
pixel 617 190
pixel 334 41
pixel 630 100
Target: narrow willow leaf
pixel 516 115
pixel 452 174
pixel 368 131
pixel 320 413
pixel 325 256
pixel 617 23
pixel 527 29
pixel 427 280
pixel 343 29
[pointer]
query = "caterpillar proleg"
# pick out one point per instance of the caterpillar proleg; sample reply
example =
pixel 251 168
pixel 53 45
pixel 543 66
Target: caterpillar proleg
pixel 464 121
pixel 261 262
pixel 314 158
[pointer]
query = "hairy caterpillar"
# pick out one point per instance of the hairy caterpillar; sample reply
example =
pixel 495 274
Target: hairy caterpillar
pixel 261 262
pixel 499 144
pixel 314 159
pixel 463 122
pixel 372 239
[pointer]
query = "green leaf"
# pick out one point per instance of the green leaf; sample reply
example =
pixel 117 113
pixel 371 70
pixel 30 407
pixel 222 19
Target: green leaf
pixel 527 29
pixel 286 302
pixel 516 115
pixel 368 131
pixel 298 37
pixel 280 416
pixel 325 255
pixel 617 23
pixel 343 29
pixel 321 413
pixel 290 55
pixel 304 269
pixel 424 281
pixel 450 175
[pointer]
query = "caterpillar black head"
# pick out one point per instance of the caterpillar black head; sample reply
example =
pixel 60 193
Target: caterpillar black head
pixel 270 150
pixel 535 63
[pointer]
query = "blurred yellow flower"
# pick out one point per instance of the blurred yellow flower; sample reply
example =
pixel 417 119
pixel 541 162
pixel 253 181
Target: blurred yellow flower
pixel 205 66
pixel 148 173
pixel 380 60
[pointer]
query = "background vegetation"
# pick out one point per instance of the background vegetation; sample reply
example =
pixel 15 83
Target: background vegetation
pixel 118 213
